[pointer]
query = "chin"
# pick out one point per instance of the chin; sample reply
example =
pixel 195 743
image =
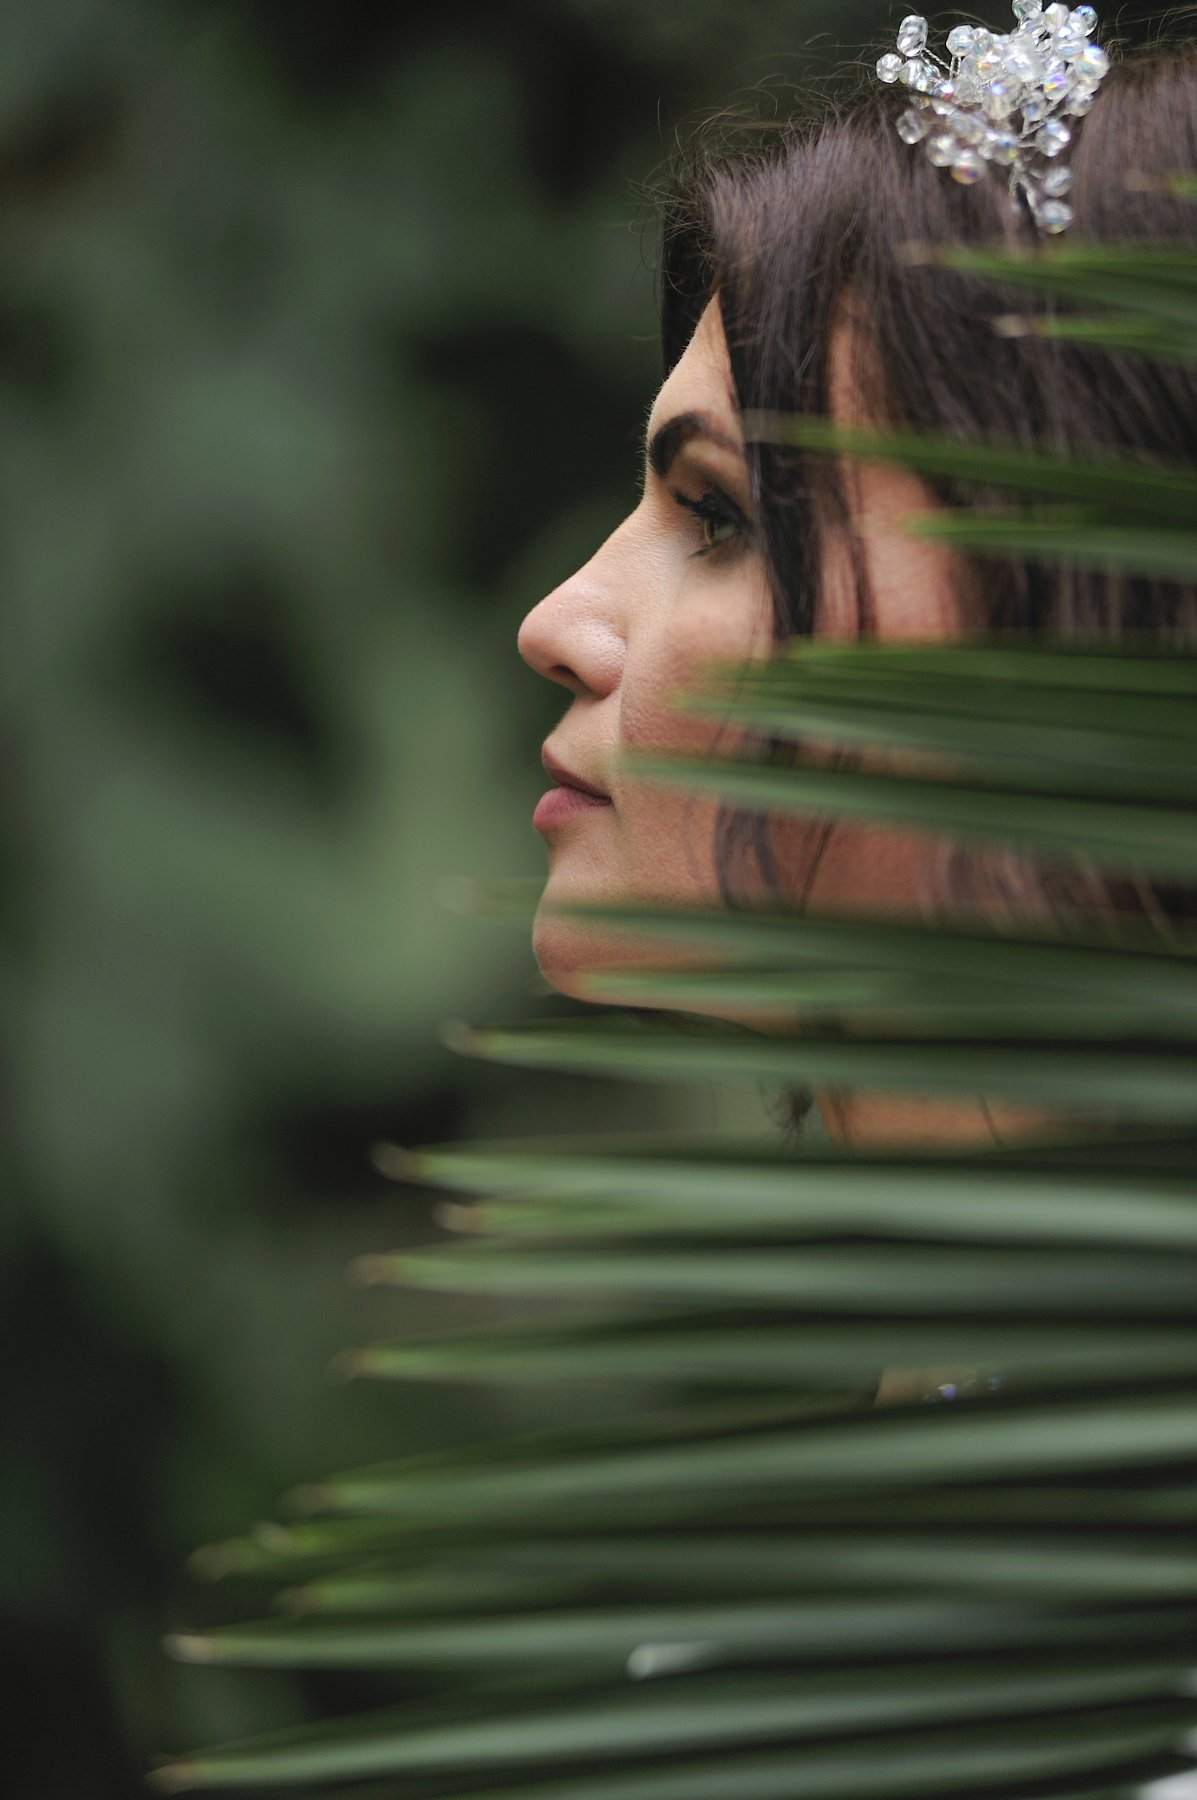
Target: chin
pixel 568 950
pixel 565 948
pixel 564 951
pixel 567 953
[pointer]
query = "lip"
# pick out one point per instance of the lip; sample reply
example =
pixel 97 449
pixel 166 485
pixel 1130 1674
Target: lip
pixel 564 777
pixel 569 799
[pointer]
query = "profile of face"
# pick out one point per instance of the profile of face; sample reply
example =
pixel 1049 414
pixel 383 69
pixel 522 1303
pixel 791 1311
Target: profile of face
pixel 680 583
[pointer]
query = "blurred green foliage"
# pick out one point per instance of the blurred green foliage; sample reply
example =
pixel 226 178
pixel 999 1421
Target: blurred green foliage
pixel 325 337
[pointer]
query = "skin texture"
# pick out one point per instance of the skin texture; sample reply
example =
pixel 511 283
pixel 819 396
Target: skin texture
pixel 668 591
pixel 621 634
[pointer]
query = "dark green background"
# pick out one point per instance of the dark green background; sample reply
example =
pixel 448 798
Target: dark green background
pixel 326 337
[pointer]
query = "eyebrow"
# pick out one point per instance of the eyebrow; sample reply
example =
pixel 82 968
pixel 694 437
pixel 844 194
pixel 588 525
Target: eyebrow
pixel 670 439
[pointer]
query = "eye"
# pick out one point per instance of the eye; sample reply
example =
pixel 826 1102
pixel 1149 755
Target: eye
pixel 721 521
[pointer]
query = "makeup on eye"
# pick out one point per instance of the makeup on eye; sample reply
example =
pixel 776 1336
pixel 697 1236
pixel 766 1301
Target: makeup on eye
pixel 721 522
pixel 681 449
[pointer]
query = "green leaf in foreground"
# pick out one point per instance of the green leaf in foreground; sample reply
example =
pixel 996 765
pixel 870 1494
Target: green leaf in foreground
pixel 740 1578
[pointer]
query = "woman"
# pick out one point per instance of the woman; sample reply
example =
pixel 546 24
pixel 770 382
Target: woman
pixel 789 286
pixel 817 1603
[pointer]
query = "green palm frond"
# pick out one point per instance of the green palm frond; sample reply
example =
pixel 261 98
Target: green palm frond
pixel 1140 298
pixel 749 1582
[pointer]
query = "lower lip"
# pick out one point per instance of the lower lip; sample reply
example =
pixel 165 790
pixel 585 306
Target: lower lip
pixel 561 804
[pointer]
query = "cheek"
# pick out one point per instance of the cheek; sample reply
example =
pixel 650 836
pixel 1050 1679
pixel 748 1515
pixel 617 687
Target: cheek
pixel 728 620
pixel 666 835
pixel 658 843
pixel 706 619
pixel 918 587
pixel 862 868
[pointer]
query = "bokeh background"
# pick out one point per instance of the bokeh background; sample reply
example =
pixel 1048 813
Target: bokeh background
pixel 326 338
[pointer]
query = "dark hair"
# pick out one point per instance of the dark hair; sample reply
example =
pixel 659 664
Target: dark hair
pixel 786 224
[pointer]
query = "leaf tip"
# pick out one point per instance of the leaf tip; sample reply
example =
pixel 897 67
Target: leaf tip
pixel 312 1497
pixel 347 1365
pixel 647 1661
pixel 393 1161
pixel 173 1778
pixel 376 1269
pixel 454 1215
pixel 465 1039
pixel 278 1539
pixel 191 1647
pixel 212 1562
pixel 1015 325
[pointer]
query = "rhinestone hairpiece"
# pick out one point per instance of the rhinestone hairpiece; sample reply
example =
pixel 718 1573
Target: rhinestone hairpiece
pixel 1004 100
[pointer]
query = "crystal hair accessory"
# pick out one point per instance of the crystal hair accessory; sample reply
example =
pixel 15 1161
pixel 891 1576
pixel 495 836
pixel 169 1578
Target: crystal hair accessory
pixel 1004 101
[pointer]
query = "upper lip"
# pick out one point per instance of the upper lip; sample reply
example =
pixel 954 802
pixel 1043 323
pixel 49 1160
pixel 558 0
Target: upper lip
pixel 564 777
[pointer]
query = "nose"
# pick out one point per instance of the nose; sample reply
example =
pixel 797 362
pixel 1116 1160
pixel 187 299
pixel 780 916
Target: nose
pixel 574 636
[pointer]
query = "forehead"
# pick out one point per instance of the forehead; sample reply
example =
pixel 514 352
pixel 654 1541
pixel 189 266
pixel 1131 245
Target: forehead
pixel 700 381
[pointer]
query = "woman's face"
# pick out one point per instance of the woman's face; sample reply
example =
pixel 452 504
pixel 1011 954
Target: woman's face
pixel 679 583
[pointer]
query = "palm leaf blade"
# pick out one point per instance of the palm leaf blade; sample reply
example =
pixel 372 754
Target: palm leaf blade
pixel 749 1580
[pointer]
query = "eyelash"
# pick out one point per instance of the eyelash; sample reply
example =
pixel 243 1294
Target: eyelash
pixel 714 508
